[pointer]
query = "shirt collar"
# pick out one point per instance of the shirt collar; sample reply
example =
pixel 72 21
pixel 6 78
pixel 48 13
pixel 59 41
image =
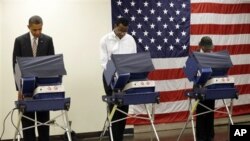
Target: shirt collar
pixel 31 37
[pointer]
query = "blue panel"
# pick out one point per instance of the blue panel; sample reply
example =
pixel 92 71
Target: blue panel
pixel 205 74
pixel 213 94
pixel 120 81
pixel 43 105
pixel 132 99
pixel 140 90
pixel 138 98
pixel 28 86
pixel 190 68
pixel 48 80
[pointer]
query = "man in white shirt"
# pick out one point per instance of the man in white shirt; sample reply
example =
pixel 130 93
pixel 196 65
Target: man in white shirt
pixel 117 42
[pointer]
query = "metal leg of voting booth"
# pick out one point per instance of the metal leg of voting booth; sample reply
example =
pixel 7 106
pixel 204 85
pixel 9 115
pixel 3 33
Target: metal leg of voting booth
pixel 192 109
pixel 108 122
pixel 63 106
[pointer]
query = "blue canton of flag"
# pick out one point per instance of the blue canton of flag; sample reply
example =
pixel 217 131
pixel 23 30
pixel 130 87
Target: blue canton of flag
pixel 161 27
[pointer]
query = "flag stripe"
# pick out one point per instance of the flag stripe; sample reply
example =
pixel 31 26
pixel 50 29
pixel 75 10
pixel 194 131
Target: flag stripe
pixel 220 29
pixel 220 8
pixel 180 84
pixel 232 49
pixel 176 63
pixel 234 39
pixel 168 74
pixel 239 69
pixel 205 18
pixel 173 95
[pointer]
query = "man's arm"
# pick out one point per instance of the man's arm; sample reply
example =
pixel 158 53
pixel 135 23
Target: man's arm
pixel 16 52
pixel 134 45
pixel 103 53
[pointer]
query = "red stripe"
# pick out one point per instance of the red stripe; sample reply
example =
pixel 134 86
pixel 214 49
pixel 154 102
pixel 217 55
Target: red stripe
pixel 239 69
pixel 232 49
pixel 199 29
pixel 173 96
pixel 220 8
pixel 166 74
pixel 243 89
pixel 170 74
pixel 182 116
pixel 237 110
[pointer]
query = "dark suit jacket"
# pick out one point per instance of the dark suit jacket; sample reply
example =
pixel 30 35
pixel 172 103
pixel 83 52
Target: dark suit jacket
pixel 22 47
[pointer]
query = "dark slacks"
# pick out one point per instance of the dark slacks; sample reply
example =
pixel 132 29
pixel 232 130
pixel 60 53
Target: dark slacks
pixel 205 122
pixel 43 131
pixel 117 127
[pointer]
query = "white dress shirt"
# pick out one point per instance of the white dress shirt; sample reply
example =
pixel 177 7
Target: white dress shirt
pixel 32 38
pixel 111 44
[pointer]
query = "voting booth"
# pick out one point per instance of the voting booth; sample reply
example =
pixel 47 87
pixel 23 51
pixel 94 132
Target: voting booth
pixel 39 80
pixel 209 74
pixel 127 75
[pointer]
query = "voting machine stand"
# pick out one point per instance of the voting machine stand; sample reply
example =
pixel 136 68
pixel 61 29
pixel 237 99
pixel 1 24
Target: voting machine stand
pixel 208 72
pixel 39 79
pixel 127 76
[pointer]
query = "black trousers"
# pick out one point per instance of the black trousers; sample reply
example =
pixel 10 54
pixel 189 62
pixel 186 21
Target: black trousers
pixel 43 131
pixel 117 127
pixel 205 122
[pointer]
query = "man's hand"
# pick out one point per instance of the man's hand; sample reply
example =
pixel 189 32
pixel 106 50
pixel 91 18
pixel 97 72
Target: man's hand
pixel 20 95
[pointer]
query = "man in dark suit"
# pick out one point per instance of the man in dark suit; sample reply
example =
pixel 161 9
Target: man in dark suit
pixel 32 44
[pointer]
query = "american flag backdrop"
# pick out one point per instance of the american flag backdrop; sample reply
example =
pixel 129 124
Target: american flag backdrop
pixel 170 29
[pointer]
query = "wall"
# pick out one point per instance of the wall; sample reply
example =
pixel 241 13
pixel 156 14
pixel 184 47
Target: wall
pixel 76 27
pixel 1 103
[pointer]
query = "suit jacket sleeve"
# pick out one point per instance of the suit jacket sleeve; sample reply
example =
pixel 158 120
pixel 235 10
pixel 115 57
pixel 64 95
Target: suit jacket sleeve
pixel 16 52
pixel 51 50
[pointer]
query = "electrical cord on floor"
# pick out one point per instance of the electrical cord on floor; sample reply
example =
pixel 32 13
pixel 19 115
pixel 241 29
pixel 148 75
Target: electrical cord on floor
pixel 10 112
pixel 18 132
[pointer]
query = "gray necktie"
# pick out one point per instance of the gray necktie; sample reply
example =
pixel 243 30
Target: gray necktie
pixel 34 47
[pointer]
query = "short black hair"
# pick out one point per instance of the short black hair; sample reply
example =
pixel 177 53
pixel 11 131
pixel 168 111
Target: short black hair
pixel 206 42
pixel 122 21
pixel 35 20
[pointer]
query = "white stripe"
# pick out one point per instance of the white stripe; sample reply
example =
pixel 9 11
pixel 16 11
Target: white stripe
pixel 210 18
pixel 241 79
pixel 169 63
pixel 183 105
pixel 221 1
pixel 182 84
pixel 236 39
pixel 243 100
pixel 240 59
pixel 176 63
pixel 173 85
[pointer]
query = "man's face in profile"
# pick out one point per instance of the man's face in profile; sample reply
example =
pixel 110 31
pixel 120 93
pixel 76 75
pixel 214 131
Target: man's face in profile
pixel 35 29
pixel 120 30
